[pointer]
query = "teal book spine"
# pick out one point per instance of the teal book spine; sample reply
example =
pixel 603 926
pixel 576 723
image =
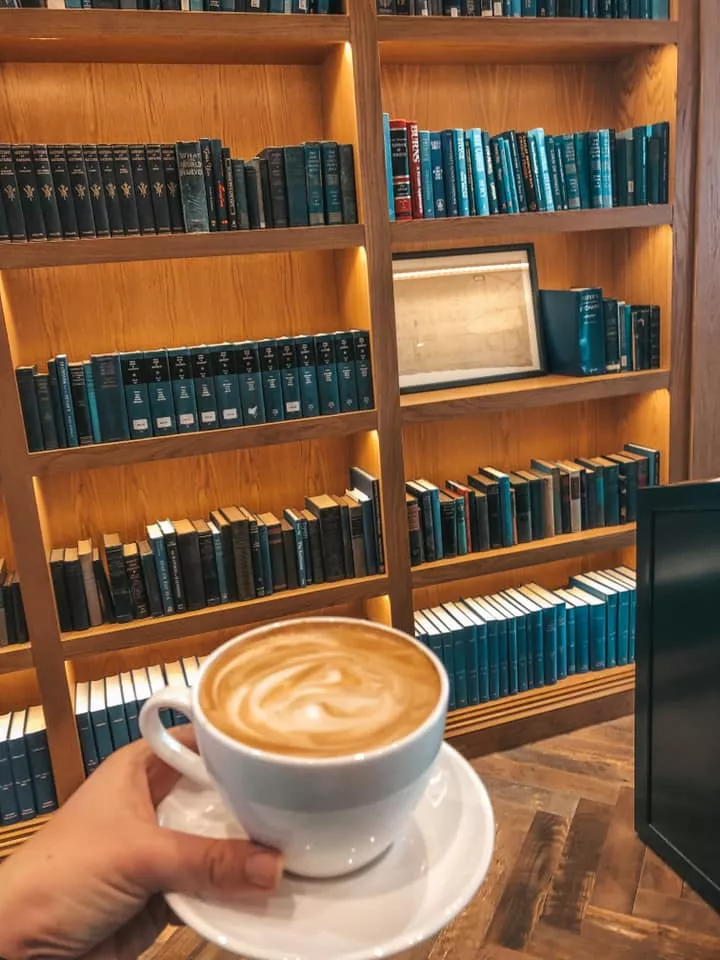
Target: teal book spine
pixel 537 136
pixel 265 561
pixel 426 174
pixel 449 177
pixel 461 684
pixel 25 380
pixel 388 166
pixel 56 403
pixel 363 370
pixel 438 176
pixel 193 193
pixel 227 387
pixel 183 388
pixel 314 184
pixel 22 777
pixel 478 172
pixel 493 634
pixel 592 330
pixel 570 168
pixel 582 155
pixel 472 665
pixel 606 169
pixel 640 145
pixel 157 377
pixel 449 661
pixel 598 637
pixel 437 523
pixel 503 658
pixel 295 181
pixel 92 402
pixel 109 396
pixel 536 646
pixel 571 639
pixel 63 374
pixel 101 732
pixel 660 9
pixel 241 196
pixel 290 378
pixel 595 156
pixel 327 374
pixel 461 172
pixel 550 650
pixel 461 527
pixel 331 181
pixel 562 640
pixel 220 564
pixel 36 744
pixel 345 359
pixel 137 399
pixel 201 365
pixel 307 368
pixel 297 524
pixel 552 158
pixel 271 380
pixel 521 626
pixel 623 642
pixel 483 668
pixel 534 161
pixel 509 177
pixel 512 646
pixel 157 545
pixel 515 166
pixel 611 309
pixel 87 743
pixel 582 638
pixel 118 726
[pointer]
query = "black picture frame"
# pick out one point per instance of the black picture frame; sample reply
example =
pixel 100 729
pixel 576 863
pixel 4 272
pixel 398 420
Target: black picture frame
pixel 529 250
pixel 678 680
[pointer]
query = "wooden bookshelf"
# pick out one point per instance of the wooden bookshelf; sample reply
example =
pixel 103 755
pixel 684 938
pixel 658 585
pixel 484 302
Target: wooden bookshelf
pixel 128 77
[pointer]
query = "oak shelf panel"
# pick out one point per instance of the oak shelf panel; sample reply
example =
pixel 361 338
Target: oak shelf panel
pixel 178 246
pixel 572 692
pixel 288 602
pixel 441 40
pixel 531 392
pixel 406 234
pixel 563 547
pixel 100 455
pixel 12 837
pixel 126 36
pixel 16 657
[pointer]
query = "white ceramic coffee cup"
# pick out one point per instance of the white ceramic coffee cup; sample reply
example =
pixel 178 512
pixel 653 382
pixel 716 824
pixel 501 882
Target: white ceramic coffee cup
pixel 329 816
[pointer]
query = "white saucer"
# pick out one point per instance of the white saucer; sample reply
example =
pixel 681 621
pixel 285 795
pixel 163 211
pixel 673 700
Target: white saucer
pixel 414 890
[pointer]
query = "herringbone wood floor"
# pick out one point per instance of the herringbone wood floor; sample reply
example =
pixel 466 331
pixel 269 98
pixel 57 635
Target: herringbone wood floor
pixel 570 880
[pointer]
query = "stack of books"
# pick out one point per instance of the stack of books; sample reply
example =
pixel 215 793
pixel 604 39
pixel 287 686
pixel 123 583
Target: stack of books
pixel 496 509
pixel 586 334
pixel 131 396
pixel 66 192
pixel 234 555
pixel 224 6
pixel 13 626
pixel 529 637
pixel 467 173
pixel 27 788
pixel 604 9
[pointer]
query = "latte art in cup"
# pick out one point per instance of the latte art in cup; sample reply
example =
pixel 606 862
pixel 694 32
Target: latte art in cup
pixel 310 690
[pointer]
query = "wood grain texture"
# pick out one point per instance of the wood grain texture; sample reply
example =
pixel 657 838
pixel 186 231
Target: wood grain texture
pixel 622 859
pixel 439 40
pixel 154 37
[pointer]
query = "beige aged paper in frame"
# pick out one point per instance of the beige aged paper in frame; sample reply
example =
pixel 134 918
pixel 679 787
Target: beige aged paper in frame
pixel 465 317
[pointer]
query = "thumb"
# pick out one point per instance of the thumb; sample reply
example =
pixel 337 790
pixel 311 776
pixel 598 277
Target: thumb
pixel 202 866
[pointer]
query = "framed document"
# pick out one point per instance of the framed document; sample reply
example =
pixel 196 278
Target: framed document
pixel 467 316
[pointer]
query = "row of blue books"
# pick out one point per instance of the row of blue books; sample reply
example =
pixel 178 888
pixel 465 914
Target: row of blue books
pixel 527 637
pixel 461 173
pixel 27 788
pixel 592 9
pixel 495 508
pixel 131 396
pixel 586 334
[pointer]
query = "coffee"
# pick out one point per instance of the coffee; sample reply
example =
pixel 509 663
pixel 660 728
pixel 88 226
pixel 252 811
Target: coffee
pixel 320 690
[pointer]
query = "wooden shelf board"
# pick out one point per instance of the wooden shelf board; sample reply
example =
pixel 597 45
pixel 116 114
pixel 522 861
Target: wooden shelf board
pixel 287 603
pixel 178 246
pixel 16 657
pixel 12 837
pixel 524 555
pixel 98 456
pixel 565 694
pixel 407 233
pixel 127 36
pixel 531 392
pixel 451 40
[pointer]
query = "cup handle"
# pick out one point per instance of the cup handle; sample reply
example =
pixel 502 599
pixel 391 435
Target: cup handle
pixel 175 754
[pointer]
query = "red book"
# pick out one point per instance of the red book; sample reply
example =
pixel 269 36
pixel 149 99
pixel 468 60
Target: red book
pixel 415 175
pixel 400 158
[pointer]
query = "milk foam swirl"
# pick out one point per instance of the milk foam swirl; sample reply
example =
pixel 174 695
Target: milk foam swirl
pixel 320 691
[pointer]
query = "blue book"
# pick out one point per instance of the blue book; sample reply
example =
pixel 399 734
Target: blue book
pixel 509 619
pixel 36 745
pixel 159 551
pixel 289 378
pixel 509 176
pixel 345 359
pixel 434 495
pixel 219 562
pixel 529 8
pixel 534 157
pixel 202 371
pixel 130 705
pixel 550 633
pixel 307 369
pixel 553 159
pixel 327 374
pixel 561 644
pixel 640 145
pixel 458 640
pixel 461 172
pixel 535 635
pixel 314 184
pixel 92 402
pixel 506 508
pixel 571 635
pixel 427 633
pixel 369 539
pixel 581 612
pixel 478 172
pixel 492 620
pixel 629 582
pixel 499 175
pixel 597 626
pixel 523 648
pixel 570 170
pixel 582 156
pixel 56 402
pixel 480 641
pixel 574 328
pixel 388 166
pixel 610 599
pixel 438 175
pixel 537 137
pixel 447 139
pixel 448 654
pixel 623 612
pixel 183 388
pixel 20 766
pixel 516 8
pixel 461 538
pixel 227 388
pixel 606 168
pixel 265 561
pixel 426 176
pixel 470 635
pixel 300 529
pixel 491 185
pixel 63 375
pixel 137 400
pixel 157 377
pixel 109 397
pixel 363 369
pixel 84 727
pixel 660 9
pixel 141 687
pixel 595 159
pixel 9 811
pixel 247 362
pixel 117 721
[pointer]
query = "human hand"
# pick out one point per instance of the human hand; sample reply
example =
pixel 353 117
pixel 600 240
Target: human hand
pixel 89 884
